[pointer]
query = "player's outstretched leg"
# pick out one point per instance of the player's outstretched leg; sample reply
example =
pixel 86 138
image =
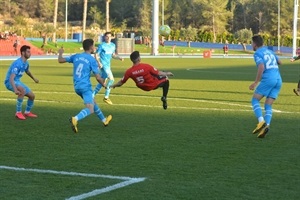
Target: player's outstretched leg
pixel 258 113
pixel 97 89
pixel 100 115
pixel 107 92
pixel 165 93
pixel 297 91
pixel 74 120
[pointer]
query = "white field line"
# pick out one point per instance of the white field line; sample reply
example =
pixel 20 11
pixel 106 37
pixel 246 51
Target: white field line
pixel 148 97
pixel 106 189
pixel 126 180
pixel 172 107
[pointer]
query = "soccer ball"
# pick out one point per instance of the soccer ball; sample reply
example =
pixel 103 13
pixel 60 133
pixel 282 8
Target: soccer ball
pixel 164 30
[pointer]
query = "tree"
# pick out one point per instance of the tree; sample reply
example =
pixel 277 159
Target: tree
pixel 244 36
pixel 45 30
pixel 96 15
pixel 216 16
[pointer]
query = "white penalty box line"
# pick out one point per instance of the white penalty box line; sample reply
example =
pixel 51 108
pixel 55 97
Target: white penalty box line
pixel 126 181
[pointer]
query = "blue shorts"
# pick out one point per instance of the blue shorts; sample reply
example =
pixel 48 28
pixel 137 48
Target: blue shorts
pixel 106 73
pixel 86 95
pixel 269 88
pixel 18 84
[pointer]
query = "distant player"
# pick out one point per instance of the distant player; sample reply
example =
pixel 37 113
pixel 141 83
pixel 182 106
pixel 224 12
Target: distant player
pixel 269 79
pixel 83 65
pixel 296 91
pixel 12 82
pixel 103 55
pixel 146 77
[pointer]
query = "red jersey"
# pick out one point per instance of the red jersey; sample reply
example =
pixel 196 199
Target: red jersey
pixel 145 76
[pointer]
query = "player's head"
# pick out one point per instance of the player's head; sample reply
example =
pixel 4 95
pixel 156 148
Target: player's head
pixel 135 57
pixel 88 45
pixel 25 51
pixel 107 37
pixel 257 42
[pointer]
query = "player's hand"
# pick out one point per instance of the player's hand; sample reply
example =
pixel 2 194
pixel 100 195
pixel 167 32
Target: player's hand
pixel 61 51
pixel 252 86
pixel 17 92
pixel 36 80
pixel 170 74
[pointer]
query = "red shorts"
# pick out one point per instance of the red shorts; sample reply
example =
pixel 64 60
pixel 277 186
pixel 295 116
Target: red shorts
pixel 154 85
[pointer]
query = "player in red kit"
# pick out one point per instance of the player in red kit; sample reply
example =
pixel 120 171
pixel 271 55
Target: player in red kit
pixel 146 77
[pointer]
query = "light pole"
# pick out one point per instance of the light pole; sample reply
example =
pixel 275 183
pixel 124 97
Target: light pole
pixel 278 48
pixel 66 22
pixel 155 24
pixel 296 5
pixel 163 12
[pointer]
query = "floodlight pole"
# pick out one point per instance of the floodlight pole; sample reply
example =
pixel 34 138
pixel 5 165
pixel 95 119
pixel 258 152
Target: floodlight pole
pixel 162 12
pixel 155 24
pixel 278 37
pixel 296 5
pixel 66 22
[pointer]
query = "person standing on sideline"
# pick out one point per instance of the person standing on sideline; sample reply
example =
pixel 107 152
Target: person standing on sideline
pixel 12 82
pixel 146 77
pixel 83 65
pixel 104 54
pixel 296 91
pixel 269 79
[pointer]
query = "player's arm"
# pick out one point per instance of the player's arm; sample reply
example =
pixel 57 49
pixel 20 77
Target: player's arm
pixel 98 60
pixel 162 73
pixel 31 76
pixel 117 57
pixel 118 84
pixel 100 80
pixel 260 71
pixel 295 58
pixel 61 59
pixel 12 82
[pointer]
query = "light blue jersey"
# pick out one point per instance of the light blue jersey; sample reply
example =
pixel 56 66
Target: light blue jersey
pixel 271 82
pixel 105 52
pixel 270 61
pixel 18 67
pixel 83 65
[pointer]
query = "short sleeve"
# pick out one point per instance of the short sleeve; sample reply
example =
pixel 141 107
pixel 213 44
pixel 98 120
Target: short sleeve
pixel 99 48
pixel 153 70
pixel 70 59
pixel 94 66
pixel 258 59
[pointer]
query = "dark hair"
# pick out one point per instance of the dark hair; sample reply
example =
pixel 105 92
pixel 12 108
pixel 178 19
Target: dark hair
pixel 258 40
pixel 87 43
pixel 134 56
pixel 105 34
pixel 24 48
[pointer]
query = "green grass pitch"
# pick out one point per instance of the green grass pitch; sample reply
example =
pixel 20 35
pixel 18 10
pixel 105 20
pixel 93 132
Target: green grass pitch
pixel 201 147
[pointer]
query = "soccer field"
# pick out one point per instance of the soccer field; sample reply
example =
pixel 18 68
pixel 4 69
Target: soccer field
pixel 201 147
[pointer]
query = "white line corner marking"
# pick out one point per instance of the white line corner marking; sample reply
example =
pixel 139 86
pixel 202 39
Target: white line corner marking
pixel 125 180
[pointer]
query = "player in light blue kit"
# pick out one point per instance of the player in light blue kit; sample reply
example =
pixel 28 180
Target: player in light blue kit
pixel 83 65
pixel 270 84
pixel 12 82
pixel 103 55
